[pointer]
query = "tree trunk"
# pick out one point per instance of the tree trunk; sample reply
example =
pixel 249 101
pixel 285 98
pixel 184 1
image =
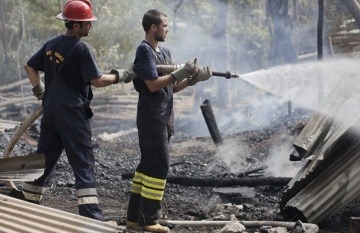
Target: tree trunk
pixel 283 50
pixel 220 52
pixel 320 48
pixel 320 29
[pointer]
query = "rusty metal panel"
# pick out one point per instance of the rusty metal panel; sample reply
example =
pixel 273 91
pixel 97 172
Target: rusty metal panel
pixel 24 217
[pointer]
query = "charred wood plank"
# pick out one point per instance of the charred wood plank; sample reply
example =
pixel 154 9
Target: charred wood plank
pixel 209 117
pixel 221 182
pixel 255 170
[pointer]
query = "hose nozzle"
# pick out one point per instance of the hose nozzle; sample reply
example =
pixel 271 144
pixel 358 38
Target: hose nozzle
pixel 226 74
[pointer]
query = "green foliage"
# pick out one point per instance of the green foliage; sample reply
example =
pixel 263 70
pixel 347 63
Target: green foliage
pixel 335 15
pixel 239 28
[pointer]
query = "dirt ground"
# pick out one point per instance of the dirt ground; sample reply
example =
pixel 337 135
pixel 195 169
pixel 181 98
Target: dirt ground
pixel 192 155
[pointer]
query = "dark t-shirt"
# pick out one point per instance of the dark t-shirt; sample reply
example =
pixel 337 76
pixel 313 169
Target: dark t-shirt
pixel 145 64
pixel 155 109
pixel 74 78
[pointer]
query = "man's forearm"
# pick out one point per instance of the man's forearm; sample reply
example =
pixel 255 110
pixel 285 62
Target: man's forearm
pixel 180 86
pixel 33 75
pixel 159 83
pixel 104 80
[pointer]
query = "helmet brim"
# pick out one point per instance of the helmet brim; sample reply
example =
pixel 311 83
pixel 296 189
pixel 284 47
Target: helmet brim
pixel 61 17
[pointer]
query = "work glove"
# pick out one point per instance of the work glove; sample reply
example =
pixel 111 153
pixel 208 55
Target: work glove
pixel 39 91
pixel 202 74
pixel 192 81
pixel 124 75
pixel 186 71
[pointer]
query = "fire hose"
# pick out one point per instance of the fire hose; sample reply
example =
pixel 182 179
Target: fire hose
pixel 39 111
pixel 15 137
pixel 171 68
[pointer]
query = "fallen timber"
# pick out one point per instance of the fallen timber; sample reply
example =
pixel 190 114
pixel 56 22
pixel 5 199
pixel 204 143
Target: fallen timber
pixel 221 182
pixel 246 173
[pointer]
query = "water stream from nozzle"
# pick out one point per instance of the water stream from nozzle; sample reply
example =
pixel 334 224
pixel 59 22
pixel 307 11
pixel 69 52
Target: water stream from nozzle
pixel 300 82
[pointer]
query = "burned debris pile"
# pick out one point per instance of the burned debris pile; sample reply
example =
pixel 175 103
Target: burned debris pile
pixel 202 185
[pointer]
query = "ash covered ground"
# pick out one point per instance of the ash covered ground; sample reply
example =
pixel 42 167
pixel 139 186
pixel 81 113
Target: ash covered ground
pixel 193 154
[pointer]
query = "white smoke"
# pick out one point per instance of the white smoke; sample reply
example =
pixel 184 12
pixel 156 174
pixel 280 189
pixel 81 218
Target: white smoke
pixel 233 154
pixel 278 162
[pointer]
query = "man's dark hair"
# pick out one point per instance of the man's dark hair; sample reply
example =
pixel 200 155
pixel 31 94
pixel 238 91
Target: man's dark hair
pixel 70 24
pixel 152 17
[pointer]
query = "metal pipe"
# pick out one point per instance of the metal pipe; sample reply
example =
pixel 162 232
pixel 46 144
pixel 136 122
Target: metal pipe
pixel 310 227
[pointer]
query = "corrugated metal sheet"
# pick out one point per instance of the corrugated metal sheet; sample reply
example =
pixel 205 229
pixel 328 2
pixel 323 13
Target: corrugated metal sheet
pixel 331 180
pixel 22 168
pixel 18 216
pixel 330 142
pixel 313 163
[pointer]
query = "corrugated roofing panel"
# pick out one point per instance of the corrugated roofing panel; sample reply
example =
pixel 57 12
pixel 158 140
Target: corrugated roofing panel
pixel 335 180
pixel 24 217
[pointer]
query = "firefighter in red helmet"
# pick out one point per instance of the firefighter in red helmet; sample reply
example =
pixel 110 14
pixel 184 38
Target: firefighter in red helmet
pixel 69 70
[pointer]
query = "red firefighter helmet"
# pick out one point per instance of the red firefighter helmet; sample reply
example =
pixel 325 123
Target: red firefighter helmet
pixel 77 10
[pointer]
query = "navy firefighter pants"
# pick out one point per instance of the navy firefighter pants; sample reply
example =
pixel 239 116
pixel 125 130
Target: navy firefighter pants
pixel 148 185
pixel 65 126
